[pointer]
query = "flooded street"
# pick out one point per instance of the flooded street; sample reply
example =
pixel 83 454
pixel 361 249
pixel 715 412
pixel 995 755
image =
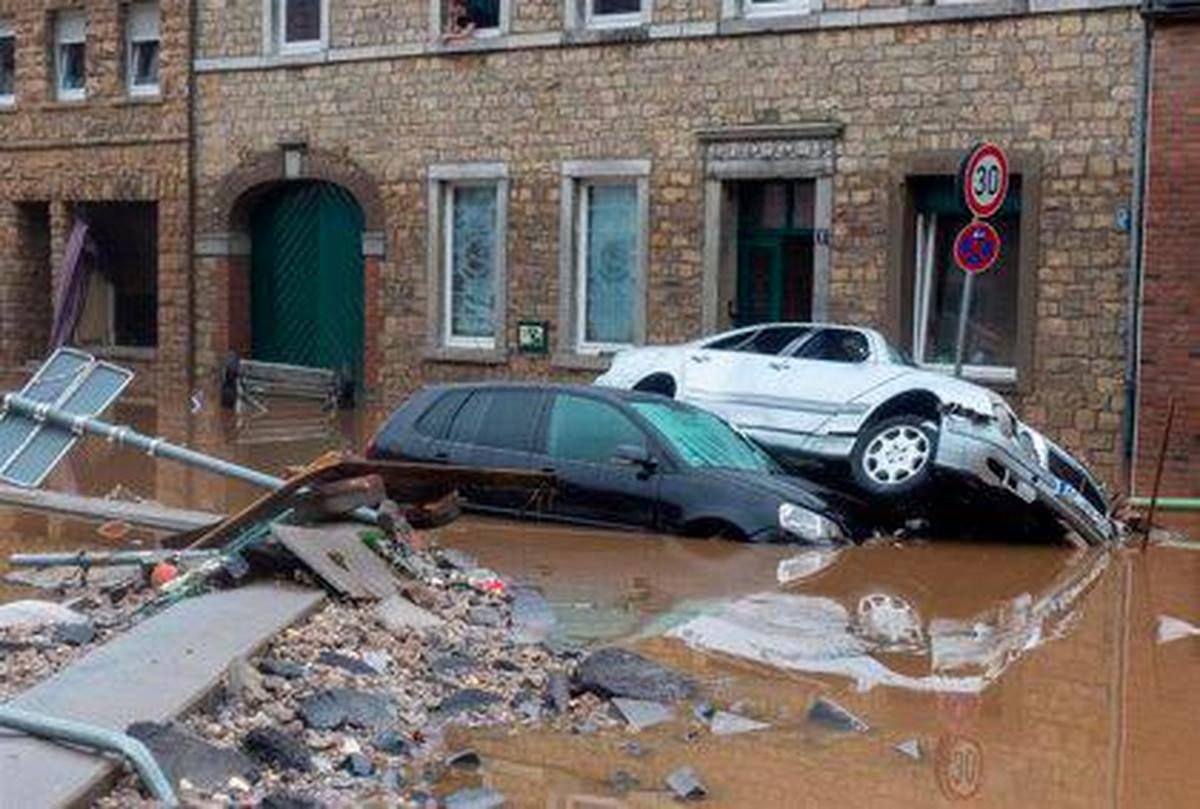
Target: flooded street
pixel 1011 675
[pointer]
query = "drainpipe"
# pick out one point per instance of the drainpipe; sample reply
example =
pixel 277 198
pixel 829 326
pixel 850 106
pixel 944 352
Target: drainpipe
pixel 1133 322
pixel 191 203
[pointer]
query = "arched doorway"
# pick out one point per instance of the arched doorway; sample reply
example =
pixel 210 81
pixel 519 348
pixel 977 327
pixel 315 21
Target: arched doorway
pixel 306 280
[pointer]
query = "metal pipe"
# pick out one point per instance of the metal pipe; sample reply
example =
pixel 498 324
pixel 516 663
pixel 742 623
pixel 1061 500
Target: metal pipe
pixel 98 738
pixel 1133 318
pixel 1169 503
pixel 154 447
pixel 964 313
pixel 107 558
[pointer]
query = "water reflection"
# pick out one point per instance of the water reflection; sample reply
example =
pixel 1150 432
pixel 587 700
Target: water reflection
pixel 1025 676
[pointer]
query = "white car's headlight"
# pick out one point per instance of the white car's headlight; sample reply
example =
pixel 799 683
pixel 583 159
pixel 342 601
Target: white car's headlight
pixel 809 525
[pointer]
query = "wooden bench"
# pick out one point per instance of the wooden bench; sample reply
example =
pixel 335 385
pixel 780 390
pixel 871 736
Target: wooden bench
pixel 249 382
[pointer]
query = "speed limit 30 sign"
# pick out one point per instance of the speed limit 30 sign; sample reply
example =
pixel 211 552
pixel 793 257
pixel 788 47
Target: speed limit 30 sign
pixel 985 180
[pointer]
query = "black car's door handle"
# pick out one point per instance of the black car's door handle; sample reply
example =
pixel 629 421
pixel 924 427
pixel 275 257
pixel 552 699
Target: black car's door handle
pixel 441 457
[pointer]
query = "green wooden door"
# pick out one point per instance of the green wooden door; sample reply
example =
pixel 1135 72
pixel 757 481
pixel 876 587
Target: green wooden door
pixel 306 291
pixel 775 253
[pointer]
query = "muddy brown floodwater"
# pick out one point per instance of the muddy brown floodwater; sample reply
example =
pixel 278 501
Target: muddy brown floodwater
pixel 1027 676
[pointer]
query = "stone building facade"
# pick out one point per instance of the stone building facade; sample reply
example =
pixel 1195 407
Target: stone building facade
pixel 1169 355
pixel 94 128
pixel 417 191
pixel 659 141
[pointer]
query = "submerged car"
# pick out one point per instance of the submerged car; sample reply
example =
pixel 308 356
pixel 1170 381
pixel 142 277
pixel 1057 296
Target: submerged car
pixel 619 458
pixel 842 394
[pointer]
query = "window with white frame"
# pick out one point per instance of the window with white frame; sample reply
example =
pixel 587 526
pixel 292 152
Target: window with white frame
pixel 770 8
pixel 142 47
pixel 467 18
pixel 8 64
pixel 606 205
pixel 990 350
pixel 613 13
pixel 303 25
pixel 70 55
pixel 468 213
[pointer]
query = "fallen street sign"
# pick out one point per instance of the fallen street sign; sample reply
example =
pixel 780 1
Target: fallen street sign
pixel 70 382
pixel 976 248
pixel 985 180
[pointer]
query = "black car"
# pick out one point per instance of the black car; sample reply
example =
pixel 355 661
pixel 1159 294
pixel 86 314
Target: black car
pixel 620 459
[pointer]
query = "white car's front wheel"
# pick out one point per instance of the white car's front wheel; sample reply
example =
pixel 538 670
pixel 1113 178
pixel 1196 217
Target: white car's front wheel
pixel 894 457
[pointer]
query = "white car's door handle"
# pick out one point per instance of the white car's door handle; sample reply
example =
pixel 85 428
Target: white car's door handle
pixel 700 358
pixel 778 366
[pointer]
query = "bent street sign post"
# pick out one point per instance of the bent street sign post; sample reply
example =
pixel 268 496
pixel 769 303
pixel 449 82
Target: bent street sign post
pixel 984 181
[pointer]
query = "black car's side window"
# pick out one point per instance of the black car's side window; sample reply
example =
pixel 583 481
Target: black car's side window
pixel 836 345
pixel 583 429
pixel 434 421
pixel 502 419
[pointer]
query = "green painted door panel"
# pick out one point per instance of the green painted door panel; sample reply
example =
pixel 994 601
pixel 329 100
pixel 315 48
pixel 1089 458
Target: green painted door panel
pixel 306 291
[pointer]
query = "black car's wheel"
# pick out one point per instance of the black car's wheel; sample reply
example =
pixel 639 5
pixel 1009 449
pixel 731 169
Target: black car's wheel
pixel 894 457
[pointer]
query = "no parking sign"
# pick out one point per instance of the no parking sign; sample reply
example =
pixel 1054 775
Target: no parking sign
pixel 977 247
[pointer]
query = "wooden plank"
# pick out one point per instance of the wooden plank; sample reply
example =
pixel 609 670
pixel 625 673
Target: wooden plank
pixel 98 509
pixel 406 483
pixel 156 671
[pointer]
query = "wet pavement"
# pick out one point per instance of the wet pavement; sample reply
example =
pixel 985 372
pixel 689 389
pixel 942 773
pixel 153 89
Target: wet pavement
pixel 1009 676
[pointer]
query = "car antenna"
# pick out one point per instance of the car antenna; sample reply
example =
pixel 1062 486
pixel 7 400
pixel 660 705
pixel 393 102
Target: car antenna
pixel 1162 454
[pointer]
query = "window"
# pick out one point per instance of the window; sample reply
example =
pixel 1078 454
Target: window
pixel 501 419
pixel 702 440
pixel 434 421
pixel 70 55
pixel 836 345
pixel 589 430
pixel 607 263
pixel 605 208
pixel 8 64
pixel 463 18
pixel 771 8
pixel 143 45
pixel 303 25
pixel 770 340
pixel 604 13
pixel 120 306
pixel 470 252
pixel 468 214
pixel 990 351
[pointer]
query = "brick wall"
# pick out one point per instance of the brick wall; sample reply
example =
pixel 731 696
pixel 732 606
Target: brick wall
pixel 109 147
pixel 1170 359
pixel 1059 87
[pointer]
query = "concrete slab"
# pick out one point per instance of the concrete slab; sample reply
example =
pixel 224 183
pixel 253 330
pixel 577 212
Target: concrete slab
pixel 337 553
pixel 155 672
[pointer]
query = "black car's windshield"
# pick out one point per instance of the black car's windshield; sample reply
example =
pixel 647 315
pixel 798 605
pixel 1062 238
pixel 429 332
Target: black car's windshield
pixel 702 440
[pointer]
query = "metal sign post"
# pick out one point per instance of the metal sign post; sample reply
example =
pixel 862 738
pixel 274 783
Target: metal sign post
pixel 984 181
pixel 40 425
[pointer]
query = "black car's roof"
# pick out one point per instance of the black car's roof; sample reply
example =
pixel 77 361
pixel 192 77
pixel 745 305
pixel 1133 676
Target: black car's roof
pixel 596 391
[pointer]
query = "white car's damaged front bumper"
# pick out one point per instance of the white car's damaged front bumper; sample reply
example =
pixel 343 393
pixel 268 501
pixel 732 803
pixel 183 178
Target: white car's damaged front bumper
pixel 980 448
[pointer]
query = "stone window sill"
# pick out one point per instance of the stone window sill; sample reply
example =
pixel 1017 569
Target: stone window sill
pixel 466 356
pixel 570 361
pixel 129 353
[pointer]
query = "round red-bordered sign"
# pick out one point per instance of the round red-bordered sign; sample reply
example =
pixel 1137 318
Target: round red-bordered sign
pixel 985 180
pixel 977 247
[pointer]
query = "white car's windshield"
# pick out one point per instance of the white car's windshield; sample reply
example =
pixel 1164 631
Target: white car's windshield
pixel 702 440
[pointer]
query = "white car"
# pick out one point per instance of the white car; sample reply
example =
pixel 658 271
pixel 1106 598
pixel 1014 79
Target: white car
pixel 815 391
